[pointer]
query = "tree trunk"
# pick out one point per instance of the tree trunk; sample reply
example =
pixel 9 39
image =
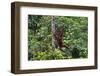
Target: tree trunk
pixel 53 29
pixel 57 35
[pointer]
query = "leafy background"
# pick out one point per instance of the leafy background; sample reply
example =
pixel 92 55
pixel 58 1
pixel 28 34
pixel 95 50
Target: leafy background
pixel 40 37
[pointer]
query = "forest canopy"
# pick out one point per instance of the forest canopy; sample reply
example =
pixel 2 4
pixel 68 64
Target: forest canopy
pixel 57 37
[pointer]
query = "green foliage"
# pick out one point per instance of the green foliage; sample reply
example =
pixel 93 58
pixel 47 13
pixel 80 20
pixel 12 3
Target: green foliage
pixel 47 55
pixel 40 37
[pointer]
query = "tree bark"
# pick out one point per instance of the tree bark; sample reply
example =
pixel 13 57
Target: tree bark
pixel 53 29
